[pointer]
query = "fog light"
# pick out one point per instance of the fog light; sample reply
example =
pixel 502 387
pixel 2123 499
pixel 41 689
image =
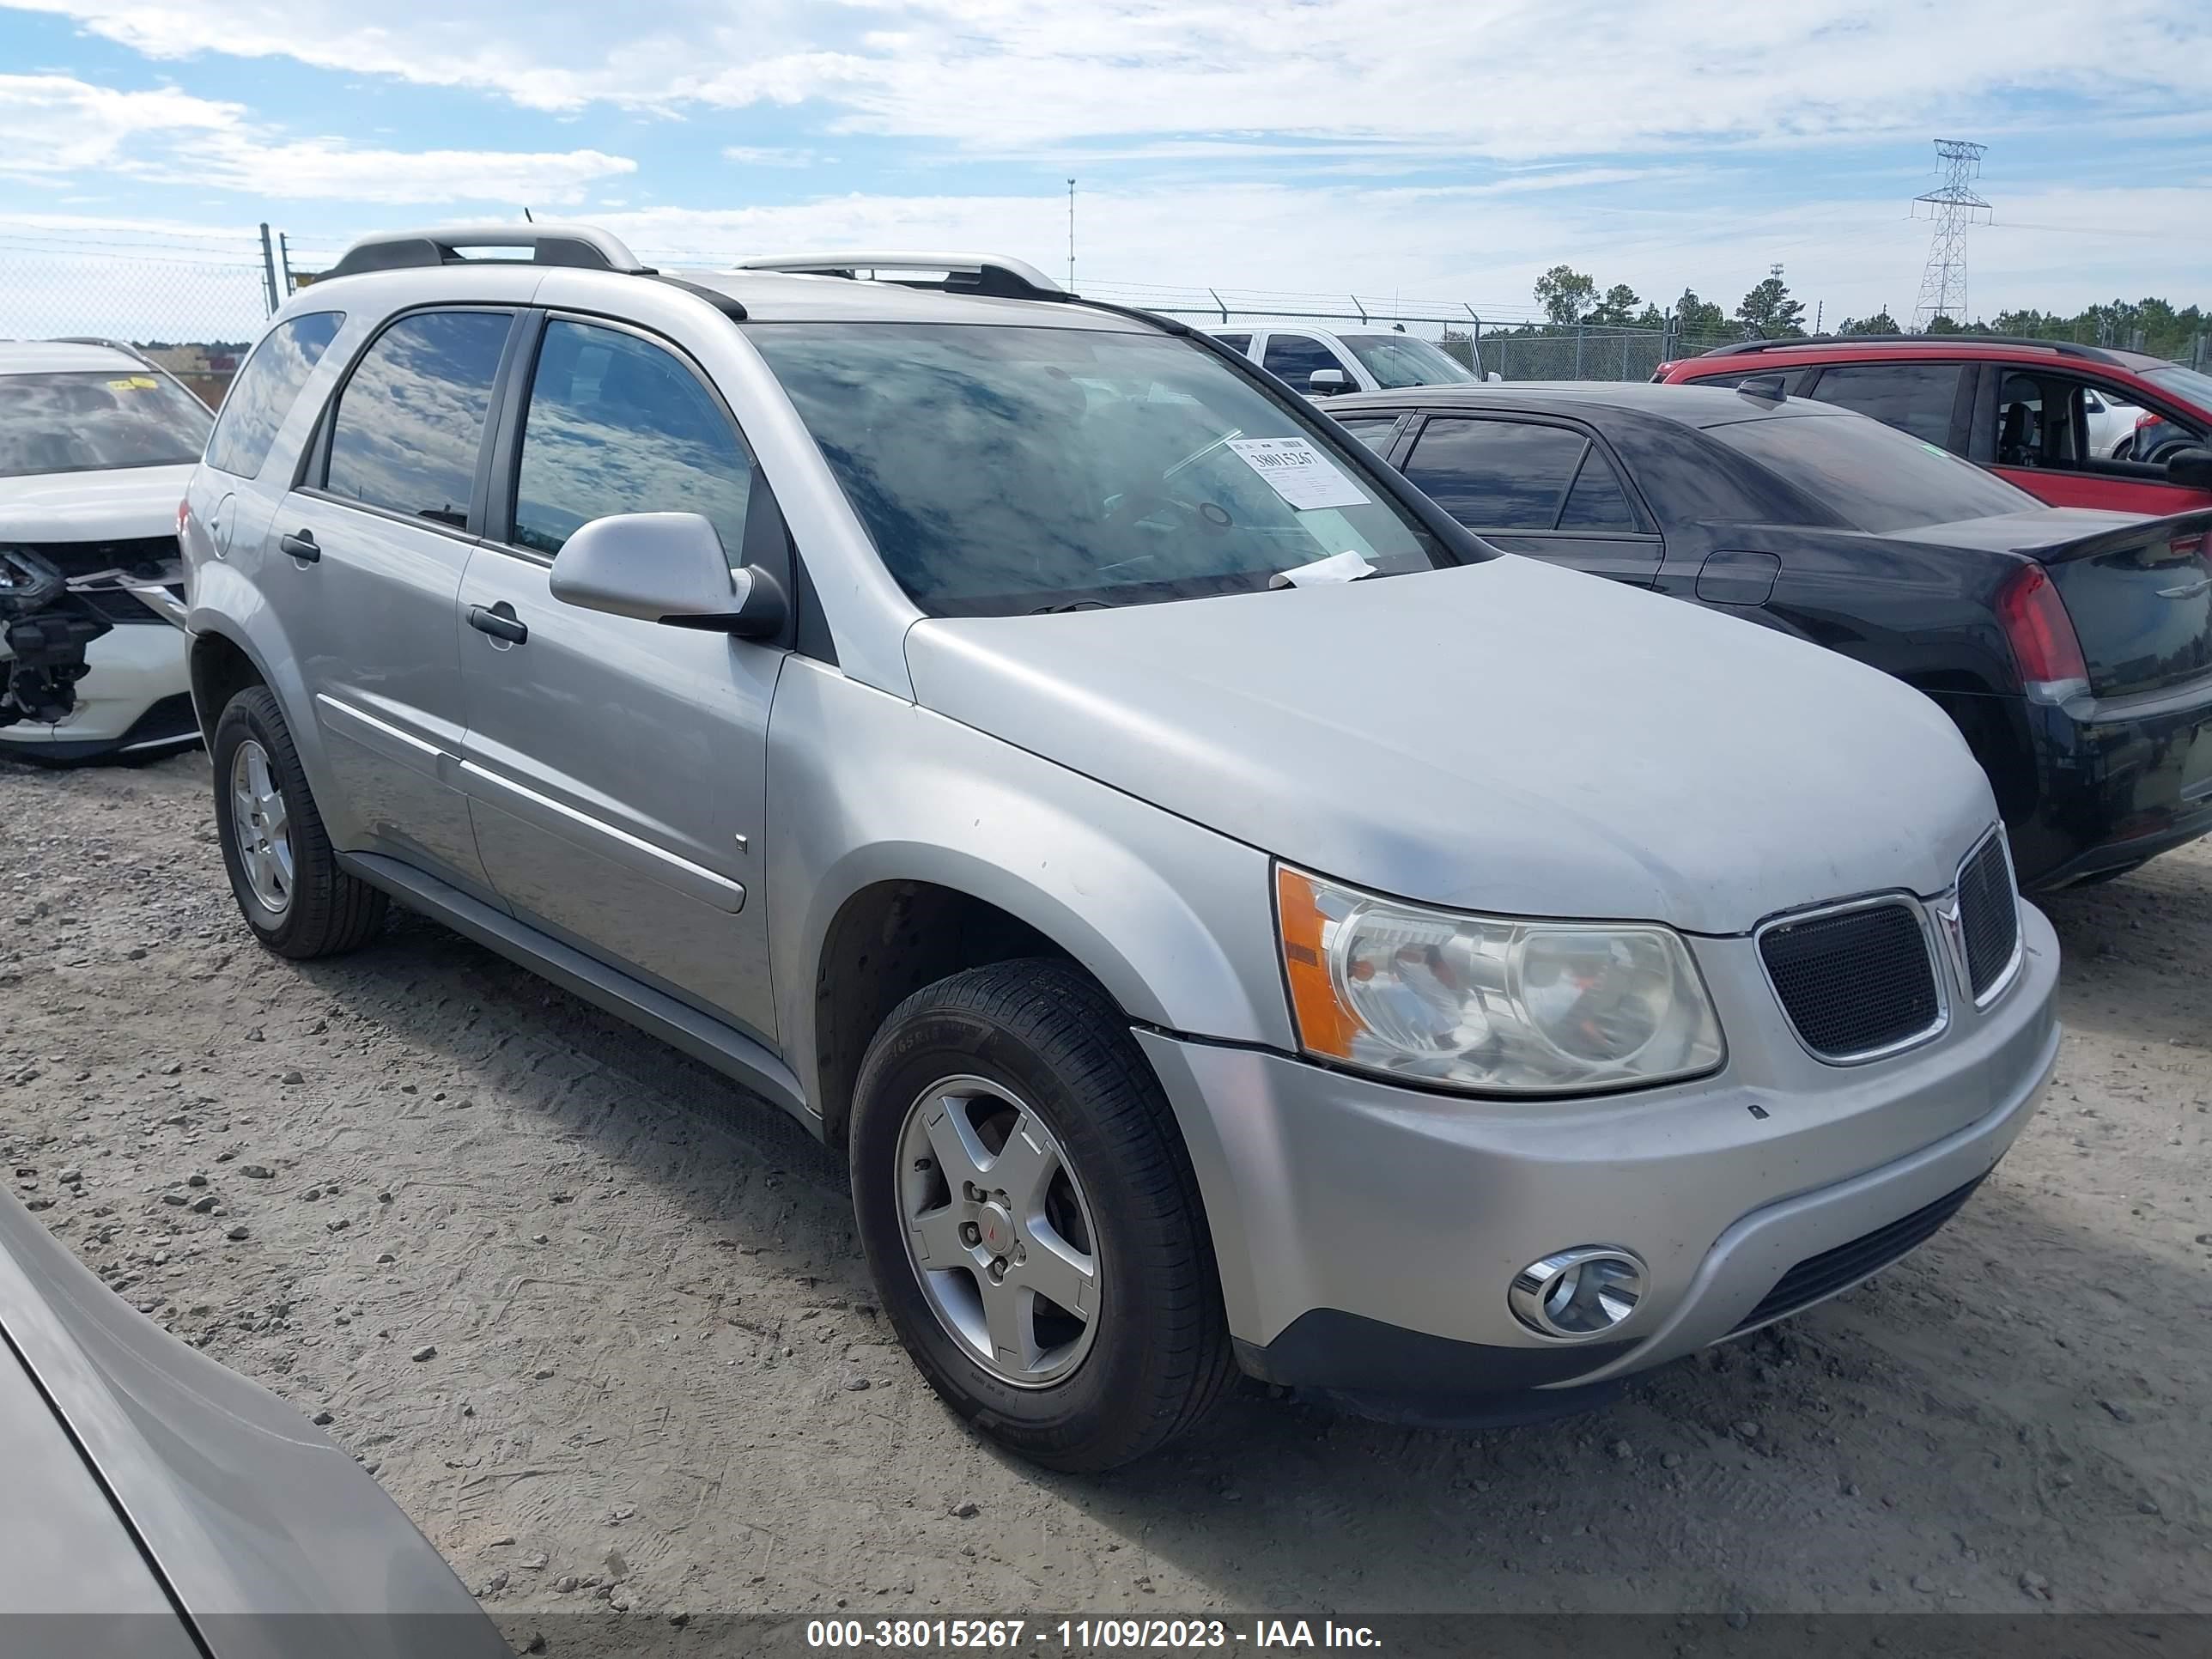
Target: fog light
pixel 1578 1294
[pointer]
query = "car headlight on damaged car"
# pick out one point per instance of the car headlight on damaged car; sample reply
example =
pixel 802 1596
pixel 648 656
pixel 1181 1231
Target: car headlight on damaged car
pixel 1491 1005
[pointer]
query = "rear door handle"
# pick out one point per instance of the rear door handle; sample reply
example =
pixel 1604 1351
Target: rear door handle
pixel 498 620
pixel 301 545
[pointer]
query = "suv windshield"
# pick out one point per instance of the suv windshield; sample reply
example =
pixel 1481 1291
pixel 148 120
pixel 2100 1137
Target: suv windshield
pixel 94 423
pixel 1869 476
pixel 1396 360
pixel 1008 470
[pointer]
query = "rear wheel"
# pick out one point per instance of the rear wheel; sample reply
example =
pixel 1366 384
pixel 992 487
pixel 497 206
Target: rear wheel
pixel 1031 1217
pixel 282 871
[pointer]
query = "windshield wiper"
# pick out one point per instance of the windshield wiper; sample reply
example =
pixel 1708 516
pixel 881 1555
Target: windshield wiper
pixel 1071 605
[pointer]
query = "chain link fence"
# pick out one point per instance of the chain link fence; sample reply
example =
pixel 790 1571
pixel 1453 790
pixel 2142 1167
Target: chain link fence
pixel 194 304
pixel 196 301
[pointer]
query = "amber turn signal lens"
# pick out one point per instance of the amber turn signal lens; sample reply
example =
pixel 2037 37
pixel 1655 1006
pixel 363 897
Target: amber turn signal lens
pixel 1324 1027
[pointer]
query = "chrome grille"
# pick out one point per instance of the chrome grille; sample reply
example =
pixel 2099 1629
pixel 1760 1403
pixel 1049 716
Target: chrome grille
pixel 1857 981
pixel 1989 914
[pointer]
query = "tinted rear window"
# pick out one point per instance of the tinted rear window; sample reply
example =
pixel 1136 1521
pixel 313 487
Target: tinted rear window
pixel 1914 397
pixel 410 422
pixel 1296 356
pixel 1869 476
pixel 265 390
pixel 95 422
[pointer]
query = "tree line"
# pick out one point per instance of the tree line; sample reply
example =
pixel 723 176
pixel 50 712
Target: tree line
pixel 1569 297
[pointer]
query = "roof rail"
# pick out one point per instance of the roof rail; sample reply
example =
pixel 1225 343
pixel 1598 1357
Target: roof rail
pixel 990 274
pixel 123 346
pixel 2062 348
pixel 581 246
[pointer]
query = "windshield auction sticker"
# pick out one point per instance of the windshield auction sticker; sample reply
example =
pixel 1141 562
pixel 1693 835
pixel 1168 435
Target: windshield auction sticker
pixel 1301 474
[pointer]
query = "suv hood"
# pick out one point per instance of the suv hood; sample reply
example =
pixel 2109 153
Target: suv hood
pixel 1506 736
pixel 112 505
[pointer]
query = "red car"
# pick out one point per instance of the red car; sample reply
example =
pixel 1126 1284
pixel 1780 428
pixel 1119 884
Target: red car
pixel 2019 407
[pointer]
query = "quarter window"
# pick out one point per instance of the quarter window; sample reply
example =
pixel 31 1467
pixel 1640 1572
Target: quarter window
pixel 1373 430
pixel 265 390
pixel 1915 397
pixel 1240 344
pixel 1597 503
pixel 409 424
pixel 618 425
pixel 1497 475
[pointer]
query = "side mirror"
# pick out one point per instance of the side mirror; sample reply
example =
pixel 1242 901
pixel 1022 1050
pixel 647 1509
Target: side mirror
pixel 2190 466
pixel 1328 382
pixel 666 567
pixel 1494 378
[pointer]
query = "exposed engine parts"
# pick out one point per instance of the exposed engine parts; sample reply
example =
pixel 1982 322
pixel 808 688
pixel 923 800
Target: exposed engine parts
pixel 44 630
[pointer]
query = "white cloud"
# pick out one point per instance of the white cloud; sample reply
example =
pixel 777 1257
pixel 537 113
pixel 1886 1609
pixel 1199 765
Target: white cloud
pixel 1570 77
pixel 759 156
pixel 54 128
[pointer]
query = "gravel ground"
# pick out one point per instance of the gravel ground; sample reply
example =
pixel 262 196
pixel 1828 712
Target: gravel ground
pixel 599 1323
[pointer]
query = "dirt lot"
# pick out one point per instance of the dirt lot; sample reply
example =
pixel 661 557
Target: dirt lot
pixel 600 1326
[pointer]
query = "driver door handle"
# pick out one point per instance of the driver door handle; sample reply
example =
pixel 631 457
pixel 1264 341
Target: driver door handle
pixel 498 621
pixel 301 545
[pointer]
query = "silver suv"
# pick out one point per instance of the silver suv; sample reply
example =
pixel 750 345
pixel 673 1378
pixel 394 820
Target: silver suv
pixel 1230 916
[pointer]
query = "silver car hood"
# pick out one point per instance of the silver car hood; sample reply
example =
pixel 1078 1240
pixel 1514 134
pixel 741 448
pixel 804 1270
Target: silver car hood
pixel 1507 737
pixel 109 504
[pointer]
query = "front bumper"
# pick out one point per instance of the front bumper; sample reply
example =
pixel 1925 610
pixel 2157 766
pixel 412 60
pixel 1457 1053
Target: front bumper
pixel 134 670
pixel 1366 1233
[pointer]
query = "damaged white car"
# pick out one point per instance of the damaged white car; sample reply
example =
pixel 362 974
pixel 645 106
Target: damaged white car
pixel 96 446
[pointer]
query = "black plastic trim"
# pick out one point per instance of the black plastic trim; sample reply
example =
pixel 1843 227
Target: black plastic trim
pixel 2061 348
pixel 1327 1349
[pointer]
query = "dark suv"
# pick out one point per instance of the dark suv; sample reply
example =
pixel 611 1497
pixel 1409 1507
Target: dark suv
pixel 2021 408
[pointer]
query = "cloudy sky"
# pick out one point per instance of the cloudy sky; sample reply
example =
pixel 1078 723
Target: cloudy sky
pixel 1447 151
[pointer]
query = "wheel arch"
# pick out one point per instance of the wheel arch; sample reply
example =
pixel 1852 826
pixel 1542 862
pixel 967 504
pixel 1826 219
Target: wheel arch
pixel 220 668
pixel 889 936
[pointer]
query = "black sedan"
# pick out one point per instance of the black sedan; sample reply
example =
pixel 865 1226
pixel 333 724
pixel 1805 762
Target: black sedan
pixel 2073 648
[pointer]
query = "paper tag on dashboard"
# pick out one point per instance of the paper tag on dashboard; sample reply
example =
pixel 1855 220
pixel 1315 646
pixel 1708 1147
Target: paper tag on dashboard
pixel 1299 473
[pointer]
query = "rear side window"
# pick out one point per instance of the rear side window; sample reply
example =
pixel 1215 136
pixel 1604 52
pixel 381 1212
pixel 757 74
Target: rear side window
pixel 1497 475
pixel 1241 343
pixel 618 425
pixel 1915 397
pixel 410 422
pixel 1295 357
pixel 265 390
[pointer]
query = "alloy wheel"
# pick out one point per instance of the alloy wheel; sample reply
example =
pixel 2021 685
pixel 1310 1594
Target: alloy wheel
pixel 262 828
pixel 998 1231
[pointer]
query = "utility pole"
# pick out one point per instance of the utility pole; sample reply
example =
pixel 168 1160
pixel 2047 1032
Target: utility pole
pixel 1953 205
pixel 1071 236
pixel 269 270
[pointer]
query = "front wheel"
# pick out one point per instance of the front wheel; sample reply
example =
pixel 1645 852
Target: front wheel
pixel 1031 1217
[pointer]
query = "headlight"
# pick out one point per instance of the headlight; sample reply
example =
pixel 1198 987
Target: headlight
pixel 1490 1004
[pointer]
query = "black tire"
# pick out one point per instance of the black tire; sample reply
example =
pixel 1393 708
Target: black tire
pixel 1160 1357
pixel 329 911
